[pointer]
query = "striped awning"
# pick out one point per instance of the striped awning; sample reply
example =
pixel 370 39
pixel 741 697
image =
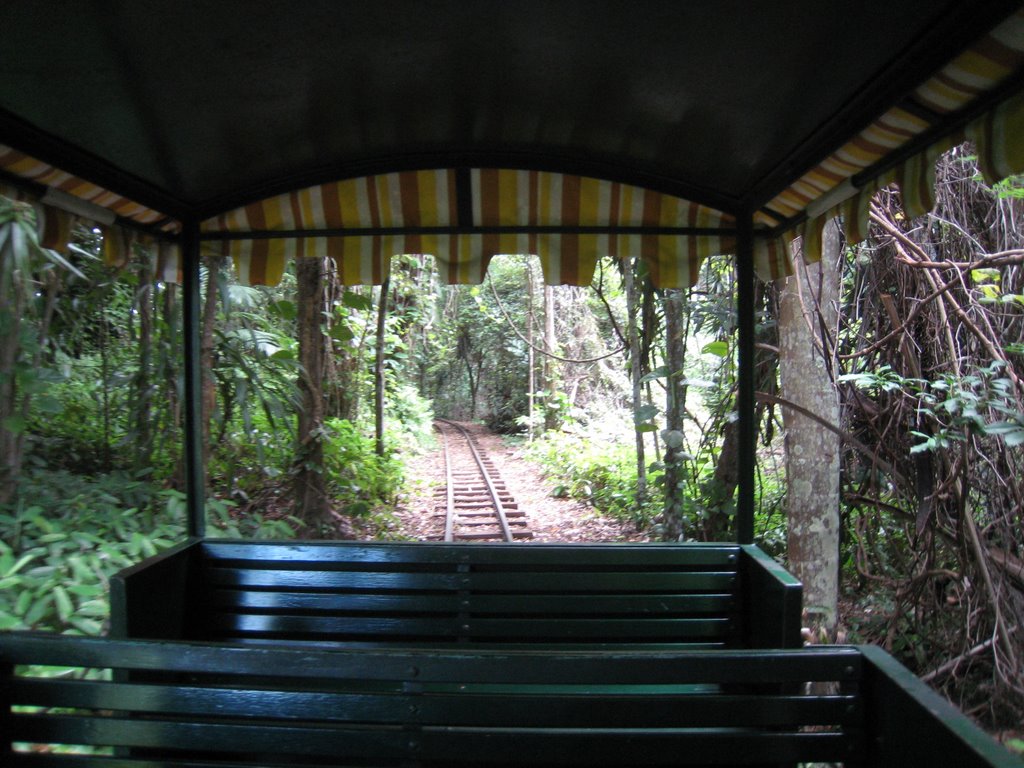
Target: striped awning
pixel 569 221
pixel 997 134
pixel 464 217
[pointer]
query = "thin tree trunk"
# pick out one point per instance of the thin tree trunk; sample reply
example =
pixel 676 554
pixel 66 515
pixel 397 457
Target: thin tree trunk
pixel 634 376
pixel 311 503
pixel 209 386
pixel 675 413
pixel 168 363
pixel 378 390
pixel 807 317
pixel 551 411
pixel 531 361
pixel 143 400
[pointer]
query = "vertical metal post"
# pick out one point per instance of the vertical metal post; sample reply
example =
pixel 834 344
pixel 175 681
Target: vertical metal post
pixel 745 401
pixel 195 472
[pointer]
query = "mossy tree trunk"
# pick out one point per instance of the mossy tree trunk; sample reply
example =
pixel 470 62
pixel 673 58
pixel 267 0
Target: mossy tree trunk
pixel 807 323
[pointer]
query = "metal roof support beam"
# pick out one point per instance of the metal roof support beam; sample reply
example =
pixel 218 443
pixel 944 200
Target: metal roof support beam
pixel 745 400
pixel 539 229
pixel 195 473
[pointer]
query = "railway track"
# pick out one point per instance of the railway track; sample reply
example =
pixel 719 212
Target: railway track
pixel 477 505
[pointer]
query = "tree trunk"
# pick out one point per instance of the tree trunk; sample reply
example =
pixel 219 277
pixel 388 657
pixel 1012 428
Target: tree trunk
pixel 807 322
pixel 311 503
pixel 143 378
pixel 12 309
pixel 209 386
pixel 635 372
pixel 530 359
pixel 675 413
pixel 169 367
pixel 552 416
pixel 378 382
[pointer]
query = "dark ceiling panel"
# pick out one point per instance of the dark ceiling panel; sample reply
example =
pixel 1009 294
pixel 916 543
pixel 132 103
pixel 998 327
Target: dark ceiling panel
pixel 206 104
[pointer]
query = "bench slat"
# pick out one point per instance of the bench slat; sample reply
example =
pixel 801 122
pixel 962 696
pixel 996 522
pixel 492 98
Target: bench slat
pixel 471 665
pixel 627 556
pixel 582 746
pixel 562 583
pixel 558 707
pixel 297 627
pixel 528 605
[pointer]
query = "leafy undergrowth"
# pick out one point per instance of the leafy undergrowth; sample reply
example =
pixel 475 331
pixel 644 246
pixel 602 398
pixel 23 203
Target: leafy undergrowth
pixel 66 535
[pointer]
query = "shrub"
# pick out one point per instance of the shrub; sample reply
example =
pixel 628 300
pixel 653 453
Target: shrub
pixel 599 472
pixel 357 478
pixel 65 535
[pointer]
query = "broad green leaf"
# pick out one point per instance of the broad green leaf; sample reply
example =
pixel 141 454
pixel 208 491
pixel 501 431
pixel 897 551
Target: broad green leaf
pixel 645 413
pixel 717 348
pixel 283 308
pixel 63 602
pixel 356 301
pixel 341 332
pixel 987 275
pixel 658 373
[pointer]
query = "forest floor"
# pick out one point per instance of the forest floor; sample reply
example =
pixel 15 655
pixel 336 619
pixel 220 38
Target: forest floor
pixel 419 513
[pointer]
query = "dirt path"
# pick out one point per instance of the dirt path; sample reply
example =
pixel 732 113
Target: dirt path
pixel 420 512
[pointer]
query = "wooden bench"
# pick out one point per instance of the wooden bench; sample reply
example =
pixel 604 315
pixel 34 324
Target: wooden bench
pixel 148 703
pixel 693 595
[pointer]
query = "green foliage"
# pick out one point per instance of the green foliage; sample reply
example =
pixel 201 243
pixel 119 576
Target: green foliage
pixel 1010 188
pixel 62 540
pixel 410 417
pixel 357 478
pixel 956 405
pixel 597 471
pixel 67 534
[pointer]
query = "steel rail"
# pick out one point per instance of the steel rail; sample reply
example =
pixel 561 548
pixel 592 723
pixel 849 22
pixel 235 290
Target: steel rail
pixel 499 509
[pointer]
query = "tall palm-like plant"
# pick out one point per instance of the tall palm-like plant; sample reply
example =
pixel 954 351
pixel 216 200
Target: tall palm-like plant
pixel 30 279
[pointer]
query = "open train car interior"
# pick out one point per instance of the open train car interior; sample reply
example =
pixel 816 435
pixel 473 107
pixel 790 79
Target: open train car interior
pixel 670 132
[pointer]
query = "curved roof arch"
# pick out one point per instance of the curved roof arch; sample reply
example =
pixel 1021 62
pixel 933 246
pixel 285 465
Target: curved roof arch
pixel 194 108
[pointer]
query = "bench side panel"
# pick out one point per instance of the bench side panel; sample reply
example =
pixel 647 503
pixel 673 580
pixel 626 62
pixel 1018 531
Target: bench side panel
pixel 770 601
pixel 155 598
pixel 911 726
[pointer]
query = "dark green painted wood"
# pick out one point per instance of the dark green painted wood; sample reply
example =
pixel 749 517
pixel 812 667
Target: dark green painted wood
pixel 745 386
pixel 312 627
pixel 557 708
pixel 543 665
pixel 356 592
pixel 567 556
pixel 270 706
pixel 640 605
pixel 195 471
pixel 163 581
pixel 587 581
pixel 897 702
pixel 772 602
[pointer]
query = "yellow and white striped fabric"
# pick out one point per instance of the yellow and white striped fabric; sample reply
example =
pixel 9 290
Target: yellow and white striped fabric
pixel 513 198
pixel 502 199
pixel 998 136
pixel 27 167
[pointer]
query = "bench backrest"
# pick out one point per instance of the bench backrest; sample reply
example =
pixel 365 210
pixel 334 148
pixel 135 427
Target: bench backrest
pixel 163 703
pixel 696 595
